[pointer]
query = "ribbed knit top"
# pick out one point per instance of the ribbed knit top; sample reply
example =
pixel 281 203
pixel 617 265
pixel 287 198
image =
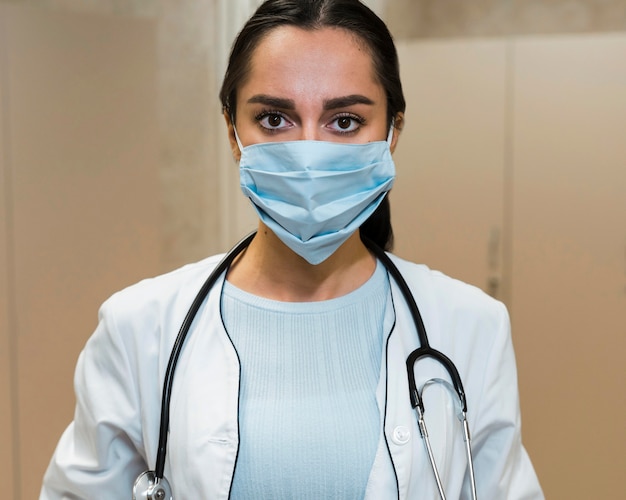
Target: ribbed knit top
pixel 308 418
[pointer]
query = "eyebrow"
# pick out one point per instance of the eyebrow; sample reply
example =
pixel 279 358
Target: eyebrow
pixel 329 104
pixel 345 101
pixel 276 102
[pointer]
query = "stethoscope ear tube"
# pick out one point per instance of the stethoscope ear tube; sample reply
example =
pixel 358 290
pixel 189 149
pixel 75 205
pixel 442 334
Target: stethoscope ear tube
pixel 428 352
pixel 178 346
pixel 424 351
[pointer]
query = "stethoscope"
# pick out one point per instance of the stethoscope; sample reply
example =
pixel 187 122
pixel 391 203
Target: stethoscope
pixel 152 484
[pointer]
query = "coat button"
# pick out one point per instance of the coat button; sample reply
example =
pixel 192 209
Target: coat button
pixel 401 435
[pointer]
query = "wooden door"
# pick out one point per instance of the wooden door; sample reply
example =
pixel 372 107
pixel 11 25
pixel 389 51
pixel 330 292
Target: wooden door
pixel 448 201
pixel 81 108
pixel 6 345
pixel 569 259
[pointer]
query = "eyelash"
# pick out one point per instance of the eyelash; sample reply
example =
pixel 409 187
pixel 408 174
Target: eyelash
pixel 358 119
pixel 270 112
pixel 264 114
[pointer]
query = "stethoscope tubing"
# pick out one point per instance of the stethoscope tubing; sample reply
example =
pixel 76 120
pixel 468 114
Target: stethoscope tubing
pixel 424 351
pixel 421 352
pixel 178 347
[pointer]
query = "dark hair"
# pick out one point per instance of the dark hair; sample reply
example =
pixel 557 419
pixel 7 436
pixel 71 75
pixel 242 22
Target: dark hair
pixel 351 15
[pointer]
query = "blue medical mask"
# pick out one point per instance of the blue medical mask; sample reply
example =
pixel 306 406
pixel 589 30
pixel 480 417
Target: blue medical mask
pixel 314 194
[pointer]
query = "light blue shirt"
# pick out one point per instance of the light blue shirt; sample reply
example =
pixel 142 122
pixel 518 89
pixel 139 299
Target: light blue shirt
pixel 308 418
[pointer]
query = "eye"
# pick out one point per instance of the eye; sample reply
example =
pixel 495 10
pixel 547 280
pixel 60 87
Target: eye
pixel 272 120
pixel 346 124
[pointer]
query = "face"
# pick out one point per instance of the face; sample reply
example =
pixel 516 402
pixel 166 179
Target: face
pixel 310 85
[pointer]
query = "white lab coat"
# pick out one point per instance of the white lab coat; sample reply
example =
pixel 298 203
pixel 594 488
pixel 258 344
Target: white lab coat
pixel 120 372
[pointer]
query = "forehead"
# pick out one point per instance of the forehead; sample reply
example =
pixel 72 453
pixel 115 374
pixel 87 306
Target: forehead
pixel 291 60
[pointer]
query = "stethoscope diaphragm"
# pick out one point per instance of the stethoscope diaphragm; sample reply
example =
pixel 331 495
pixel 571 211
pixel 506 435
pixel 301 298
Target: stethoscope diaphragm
pixel 149 487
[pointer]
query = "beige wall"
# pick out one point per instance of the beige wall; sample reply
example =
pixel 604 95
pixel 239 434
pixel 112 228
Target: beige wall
pixel 569 256
pixel 114 167
pixel 8 423
pixel 80 207
pixel 511 175
pixel 479 18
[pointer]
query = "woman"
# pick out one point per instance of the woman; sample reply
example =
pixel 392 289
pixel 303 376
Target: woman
pixel 292 382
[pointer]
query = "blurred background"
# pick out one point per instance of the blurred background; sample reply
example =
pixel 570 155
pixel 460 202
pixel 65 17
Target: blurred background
pixel 114 166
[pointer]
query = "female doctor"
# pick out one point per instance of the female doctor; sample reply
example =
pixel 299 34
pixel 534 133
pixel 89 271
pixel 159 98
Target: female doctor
pixel 292 382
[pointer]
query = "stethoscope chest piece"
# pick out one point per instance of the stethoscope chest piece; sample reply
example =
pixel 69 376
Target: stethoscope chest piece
pixel 148 487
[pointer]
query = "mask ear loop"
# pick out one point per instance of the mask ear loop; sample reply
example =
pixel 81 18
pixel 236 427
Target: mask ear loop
pixel 391 129
pixel 238 140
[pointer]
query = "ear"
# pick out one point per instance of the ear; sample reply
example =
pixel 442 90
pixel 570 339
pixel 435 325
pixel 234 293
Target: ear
pixel 230 127
pixel 398 124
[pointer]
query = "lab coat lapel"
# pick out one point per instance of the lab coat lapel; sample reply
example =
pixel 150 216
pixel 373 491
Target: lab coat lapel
pixel 204 429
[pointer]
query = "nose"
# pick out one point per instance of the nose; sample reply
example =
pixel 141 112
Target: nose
pixel 310 132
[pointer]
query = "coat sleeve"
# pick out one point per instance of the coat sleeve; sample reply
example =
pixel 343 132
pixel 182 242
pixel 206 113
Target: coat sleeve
pixel 502 466
pixel 97 455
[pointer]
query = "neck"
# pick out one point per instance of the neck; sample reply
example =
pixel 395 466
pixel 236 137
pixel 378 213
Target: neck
pixel 270 269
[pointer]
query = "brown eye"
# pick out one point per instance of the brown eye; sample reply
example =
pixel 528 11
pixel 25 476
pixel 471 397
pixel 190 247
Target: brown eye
pixel 344 122
pixel 274 120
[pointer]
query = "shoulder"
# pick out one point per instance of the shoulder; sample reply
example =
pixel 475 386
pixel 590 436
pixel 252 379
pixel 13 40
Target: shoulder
pixel 166 287
pixel 444 291
pixel 460 318
pixel 155 306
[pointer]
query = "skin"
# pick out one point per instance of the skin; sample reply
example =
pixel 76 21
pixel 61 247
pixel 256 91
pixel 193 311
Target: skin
pixel 307 85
